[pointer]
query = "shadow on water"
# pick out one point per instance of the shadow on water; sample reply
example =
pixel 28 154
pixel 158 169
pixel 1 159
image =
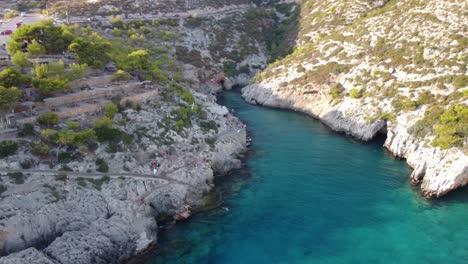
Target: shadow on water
pixel 457 196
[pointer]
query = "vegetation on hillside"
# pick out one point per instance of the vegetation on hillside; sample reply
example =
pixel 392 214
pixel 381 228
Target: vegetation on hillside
pixel 374 52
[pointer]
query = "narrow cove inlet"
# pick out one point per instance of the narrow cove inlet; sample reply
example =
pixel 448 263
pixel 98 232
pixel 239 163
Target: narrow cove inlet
pixel 233 131
pixel 309 195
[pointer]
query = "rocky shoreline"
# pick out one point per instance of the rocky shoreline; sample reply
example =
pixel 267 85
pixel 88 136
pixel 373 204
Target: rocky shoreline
pixel 437 171
pixel 72 218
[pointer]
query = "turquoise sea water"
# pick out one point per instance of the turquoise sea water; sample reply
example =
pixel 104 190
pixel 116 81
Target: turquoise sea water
pixel 313 196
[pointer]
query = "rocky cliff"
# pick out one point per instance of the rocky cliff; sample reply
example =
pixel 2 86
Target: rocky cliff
pixel 362 67
pixel 393 66
pixel 79 217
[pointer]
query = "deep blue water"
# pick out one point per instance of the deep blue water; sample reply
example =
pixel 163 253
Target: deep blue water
pixel 313 196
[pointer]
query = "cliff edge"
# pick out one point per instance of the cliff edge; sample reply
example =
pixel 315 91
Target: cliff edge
pixel 397 67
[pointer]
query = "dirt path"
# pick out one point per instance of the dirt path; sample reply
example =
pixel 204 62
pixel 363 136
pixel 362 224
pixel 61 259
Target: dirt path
pixel 205 12
pixel 97 175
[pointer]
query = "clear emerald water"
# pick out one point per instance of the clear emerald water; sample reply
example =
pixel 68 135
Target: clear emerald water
pixel 314 196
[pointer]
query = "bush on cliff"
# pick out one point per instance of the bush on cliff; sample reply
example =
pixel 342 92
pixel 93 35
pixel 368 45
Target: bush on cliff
pixel 17 176
pixel 8 97
pixel 355 93
pixel 48 119
pixel 26 130
pixel 20 59
pixel 448 126
pixel 92 50
pixel 8 148
pixel 50 85
pixel 110 109
pixel 39 149
pixel 101 165
pixel 452 128
pixel 10 77
pixel 120 76
pixel 54 39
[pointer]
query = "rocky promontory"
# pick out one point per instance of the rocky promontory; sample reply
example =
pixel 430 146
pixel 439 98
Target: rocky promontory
pixel 81 216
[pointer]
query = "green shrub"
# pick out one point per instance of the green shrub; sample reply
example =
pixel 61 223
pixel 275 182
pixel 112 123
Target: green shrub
pixel 8 148
pixel 387 116
pixel 65 168
pixel 207 126
pixel 48 119
pixel 9 97
pixel 26 164
pixel 20 59
pixel 183 117
pixel 138 60
pixel 104 122
pixel 66 157
pixel 120 76
pixel 92 50
pixel 452 128
pixel 75 139
pixel 40 149
pixel 401 102
pixel 40 71
pixel 355 93
pixel 56 68
pixel 425 97
pixel 110 110
pixel 35 48
pixel 210 141
pixel 9 15
pixel 244 69
pixel 72 125
pixel 98 183
pixel 460 81
pixel 81 181
pixel 17 176
pixel 77 71
pixel 54 39
pixel 337 91
pixel 108 134
pixel 229 68
pixel 114 147
pixel 50 85
pixel 448 126
pixel 183 92
pixel 101 165
pixel 10 77
pixel 26 130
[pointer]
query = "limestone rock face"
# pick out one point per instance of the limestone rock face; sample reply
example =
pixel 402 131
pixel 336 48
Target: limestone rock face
pixel 30 255
pixel 356 67
pixel 89 219
pixel 438 171
pixel 347 117
pixel 32 227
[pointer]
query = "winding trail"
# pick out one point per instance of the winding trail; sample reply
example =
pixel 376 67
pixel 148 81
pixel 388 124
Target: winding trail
pixel 205 12
pixel 97 175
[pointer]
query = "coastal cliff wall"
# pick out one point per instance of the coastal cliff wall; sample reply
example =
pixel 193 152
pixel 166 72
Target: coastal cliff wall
pixel 393 66
pixel 439 171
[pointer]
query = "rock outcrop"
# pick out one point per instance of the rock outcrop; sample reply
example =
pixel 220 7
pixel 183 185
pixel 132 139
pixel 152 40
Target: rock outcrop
pixel 79 217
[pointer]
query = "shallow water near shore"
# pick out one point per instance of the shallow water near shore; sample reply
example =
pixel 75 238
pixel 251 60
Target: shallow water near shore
pixel 314 196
